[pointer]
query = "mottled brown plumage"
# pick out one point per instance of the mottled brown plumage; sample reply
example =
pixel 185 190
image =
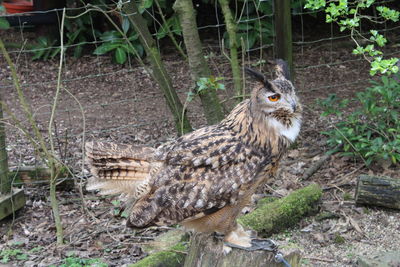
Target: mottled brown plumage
pixel 204 179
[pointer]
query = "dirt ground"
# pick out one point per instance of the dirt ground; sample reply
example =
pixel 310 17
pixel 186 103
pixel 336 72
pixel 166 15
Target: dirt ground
pixel 122 104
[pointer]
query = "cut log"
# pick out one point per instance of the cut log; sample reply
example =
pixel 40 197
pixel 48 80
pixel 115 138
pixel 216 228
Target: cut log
pixel 283 213
pixel 30 175
pixel 206 251
pixel 10 203
pixel 378 191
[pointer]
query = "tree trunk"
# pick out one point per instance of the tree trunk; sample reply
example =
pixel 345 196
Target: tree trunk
pixel 54 202
pixel 170 33
pixel 206 251
pixel 283 30
pixel 198 65
pixel 159 72
pixel 378 191
pixel 233 46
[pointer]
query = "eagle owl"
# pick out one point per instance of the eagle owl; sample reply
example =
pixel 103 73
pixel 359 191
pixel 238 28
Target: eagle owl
pixel 204 179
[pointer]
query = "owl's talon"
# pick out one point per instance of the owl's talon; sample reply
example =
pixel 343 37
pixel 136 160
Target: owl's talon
pixel 218 235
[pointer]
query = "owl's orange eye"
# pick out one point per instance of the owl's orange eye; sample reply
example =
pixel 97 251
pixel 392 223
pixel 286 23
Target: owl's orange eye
pixel 274 98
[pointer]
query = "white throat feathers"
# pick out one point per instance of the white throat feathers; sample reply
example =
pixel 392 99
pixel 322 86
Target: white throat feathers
pixel 290 132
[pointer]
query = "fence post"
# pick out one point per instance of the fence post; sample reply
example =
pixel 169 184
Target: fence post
pixel 283 32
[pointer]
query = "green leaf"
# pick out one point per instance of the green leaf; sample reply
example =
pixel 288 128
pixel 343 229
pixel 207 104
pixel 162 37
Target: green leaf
pixel 315 4
pixel 266 7
pixel 244 26
pixel 144 5
pixel 4 24
pixel 38 54
pixel 54 52
pixel 125 24
pixel 368 161
pixel 111 36
pixel 104 48
pixel 78 51
pixel 42 41
pixel 116 203
pixel 120 55
pixel 22 257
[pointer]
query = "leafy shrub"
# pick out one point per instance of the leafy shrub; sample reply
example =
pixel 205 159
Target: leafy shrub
pixel 171 24
pixel 372 131
pixel 255 24
pixel 78 31
pixel 251 29
pixel 349 15
pixel 7 255
pixel 45 48
pixel 206 84
pixel 114 42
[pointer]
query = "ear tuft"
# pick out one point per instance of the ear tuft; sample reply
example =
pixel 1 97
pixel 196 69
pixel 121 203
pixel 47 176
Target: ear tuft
pixel 257 75
pixel 282 69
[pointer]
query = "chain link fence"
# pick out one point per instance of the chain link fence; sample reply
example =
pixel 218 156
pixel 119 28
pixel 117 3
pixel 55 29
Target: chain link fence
pixel 120 103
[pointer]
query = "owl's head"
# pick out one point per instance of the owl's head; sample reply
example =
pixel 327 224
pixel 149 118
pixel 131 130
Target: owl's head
pixel 275 98
pixel 274 105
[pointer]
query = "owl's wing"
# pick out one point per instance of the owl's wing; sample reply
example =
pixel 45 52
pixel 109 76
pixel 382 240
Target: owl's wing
pixel 200 174
pixel 210 146
pixel 187 192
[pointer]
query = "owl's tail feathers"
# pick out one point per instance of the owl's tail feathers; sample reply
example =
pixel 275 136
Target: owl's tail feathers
pixel 119 169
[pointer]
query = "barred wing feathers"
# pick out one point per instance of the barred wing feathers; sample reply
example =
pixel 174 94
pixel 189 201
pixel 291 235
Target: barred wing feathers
pixel 202 172
pixel 119 169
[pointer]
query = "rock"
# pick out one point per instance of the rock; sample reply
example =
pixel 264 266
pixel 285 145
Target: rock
pixel 385 259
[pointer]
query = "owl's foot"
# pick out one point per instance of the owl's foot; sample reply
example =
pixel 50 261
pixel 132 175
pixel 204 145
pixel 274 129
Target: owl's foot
pixel 241 239
pixel 258 244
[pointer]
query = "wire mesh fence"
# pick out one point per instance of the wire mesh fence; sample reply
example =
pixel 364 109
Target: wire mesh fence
pixel 121 103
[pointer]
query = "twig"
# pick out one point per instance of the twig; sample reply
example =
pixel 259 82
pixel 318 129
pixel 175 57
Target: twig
pixel 318 259
pixel 335 186
pixel 343 181
pixel 52 160
pixel 84 206
pixel 315 167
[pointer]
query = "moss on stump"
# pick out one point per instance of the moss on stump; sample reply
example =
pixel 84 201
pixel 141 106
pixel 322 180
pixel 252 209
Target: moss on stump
pixel 275 216
pixel 174 257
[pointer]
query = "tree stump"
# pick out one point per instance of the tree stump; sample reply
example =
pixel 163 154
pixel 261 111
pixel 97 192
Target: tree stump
pixel 267 218
pixel 206 251
pixel 378 191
